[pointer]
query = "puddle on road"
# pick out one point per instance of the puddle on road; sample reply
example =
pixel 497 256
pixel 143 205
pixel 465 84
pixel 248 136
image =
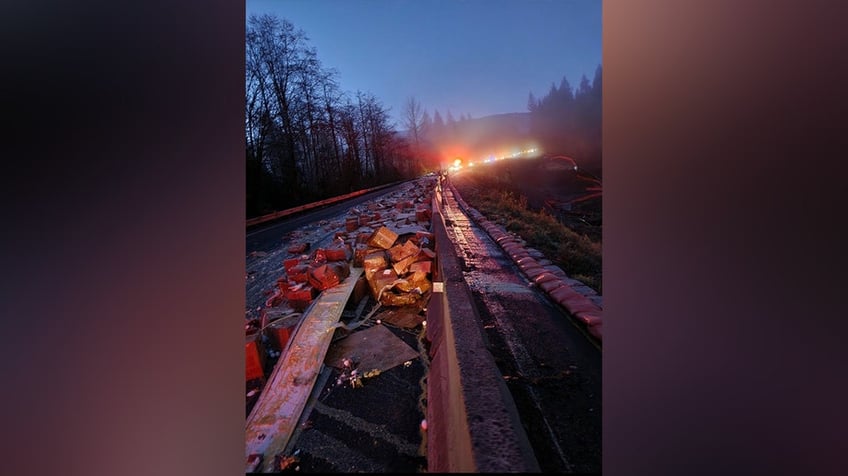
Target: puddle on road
pixel 496 287
pixel 487 269
pixel 492 277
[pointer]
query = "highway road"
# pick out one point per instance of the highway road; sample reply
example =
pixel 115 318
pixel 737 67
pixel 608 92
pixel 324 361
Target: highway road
pixel 551 368
pixel 266 237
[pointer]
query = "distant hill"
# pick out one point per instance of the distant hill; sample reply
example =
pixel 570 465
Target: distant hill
pixel 498 133
pixel 495 134
pixel 511 121
pixel 516 120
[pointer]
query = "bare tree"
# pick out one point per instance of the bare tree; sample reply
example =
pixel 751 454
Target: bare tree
pixel 304 138
pixel 351 144
pixel 273 57
pixel 331 102
pixel 413 119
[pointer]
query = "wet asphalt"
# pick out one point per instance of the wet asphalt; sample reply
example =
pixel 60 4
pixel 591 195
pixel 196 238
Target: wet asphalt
pixel 374 428
pixel 266 237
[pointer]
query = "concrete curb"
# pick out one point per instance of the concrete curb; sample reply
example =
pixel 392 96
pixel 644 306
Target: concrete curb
pixel 552 280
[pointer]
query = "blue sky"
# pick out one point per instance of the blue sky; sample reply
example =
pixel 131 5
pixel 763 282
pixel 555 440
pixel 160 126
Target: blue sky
pixel 477 57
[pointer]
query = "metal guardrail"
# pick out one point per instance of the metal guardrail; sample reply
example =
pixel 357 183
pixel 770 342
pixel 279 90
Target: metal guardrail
pixel 272 421
pixel 309 206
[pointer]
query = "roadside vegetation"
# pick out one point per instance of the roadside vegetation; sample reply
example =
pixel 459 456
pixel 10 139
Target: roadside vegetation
pixel 496 197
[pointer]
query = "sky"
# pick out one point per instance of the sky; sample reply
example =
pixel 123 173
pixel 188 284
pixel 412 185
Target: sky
pixel 477 57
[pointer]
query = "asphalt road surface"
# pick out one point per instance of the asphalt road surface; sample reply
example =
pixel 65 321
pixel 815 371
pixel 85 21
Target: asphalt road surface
pixel 266 237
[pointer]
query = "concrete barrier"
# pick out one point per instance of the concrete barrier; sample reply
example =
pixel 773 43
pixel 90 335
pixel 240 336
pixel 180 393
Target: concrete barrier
pixel 473 425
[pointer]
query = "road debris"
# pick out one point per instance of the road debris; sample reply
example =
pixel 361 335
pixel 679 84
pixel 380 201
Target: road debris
pixel 386 245
pixel 253 462
pixel 285 462
pixel 372 349
pixel 254 352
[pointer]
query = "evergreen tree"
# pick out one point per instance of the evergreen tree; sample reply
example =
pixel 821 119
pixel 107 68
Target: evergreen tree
pixel 532 103
pixel 585 86
pixel 568 122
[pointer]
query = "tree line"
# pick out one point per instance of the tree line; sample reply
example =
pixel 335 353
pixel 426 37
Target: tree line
pixel 305 138
pixel 437 141
pixel 568 121
pixel 563 122
pixel 428 135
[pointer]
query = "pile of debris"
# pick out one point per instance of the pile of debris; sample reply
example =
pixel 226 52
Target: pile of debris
pixel 398 268
pixel 305 277
pixel 389 238
pixel 391 243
